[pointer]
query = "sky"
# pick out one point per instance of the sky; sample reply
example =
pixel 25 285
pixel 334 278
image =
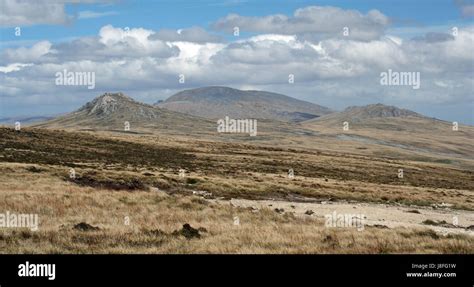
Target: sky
pixel 335 51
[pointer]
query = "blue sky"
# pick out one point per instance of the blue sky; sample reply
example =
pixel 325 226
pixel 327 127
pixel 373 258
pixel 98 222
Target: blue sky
pixel 176 14
pixel 330 70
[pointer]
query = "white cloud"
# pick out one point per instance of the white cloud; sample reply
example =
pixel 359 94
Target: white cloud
pixel 32 12
pixel 378 54
pixel 93 14
pixel 26 13
pixel 313 21
pixel 23 54
pixel 13 67
pixel 193 34
pixel 333 71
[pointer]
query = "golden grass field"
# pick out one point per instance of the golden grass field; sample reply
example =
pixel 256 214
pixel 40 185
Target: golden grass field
pixel 129 186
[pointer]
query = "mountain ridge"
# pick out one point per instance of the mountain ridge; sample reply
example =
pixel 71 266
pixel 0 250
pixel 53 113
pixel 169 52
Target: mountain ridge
pixel 115 111
pixel 381 110
pixel 110 111
pixel 378 117
pixel 216 102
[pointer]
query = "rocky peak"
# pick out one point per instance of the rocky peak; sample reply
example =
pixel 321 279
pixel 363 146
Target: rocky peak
pixel 107 104
pixel 380 110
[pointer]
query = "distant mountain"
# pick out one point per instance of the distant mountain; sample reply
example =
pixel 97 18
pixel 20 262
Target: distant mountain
pixel 357 113
pixel 118 105
pixel 378 116
pixel 218 102
pixel 394 127
pixel 111 111
pixel 24 119
pixel 363 113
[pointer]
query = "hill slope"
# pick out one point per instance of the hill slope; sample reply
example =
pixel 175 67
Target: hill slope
pixel 110 111
pixel 371 116
pixel 391 126
pixel 218 102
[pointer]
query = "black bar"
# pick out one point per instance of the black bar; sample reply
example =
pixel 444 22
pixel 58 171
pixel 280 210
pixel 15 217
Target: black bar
pixel 357 270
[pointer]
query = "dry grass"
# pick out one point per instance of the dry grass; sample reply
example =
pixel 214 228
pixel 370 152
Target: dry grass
pixel 122 176
pixel 236 169
pixel 153 216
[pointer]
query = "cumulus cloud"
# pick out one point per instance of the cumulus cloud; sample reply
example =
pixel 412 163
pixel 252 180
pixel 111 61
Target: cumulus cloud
pixel 133 43
pixel 32 12
pixel 313 21
pixel 284 49
pixel 193 34
pixel 26 13
pixel 333 71
pixel 433 37
pixel 377 54
pixel 111 43
pixel 13 67
pixel 259 60
pixel 24 54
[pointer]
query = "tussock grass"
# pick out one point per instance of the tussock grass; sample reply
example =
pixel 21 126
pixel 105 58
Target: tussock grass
pixel 154 216
pixel 129 187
